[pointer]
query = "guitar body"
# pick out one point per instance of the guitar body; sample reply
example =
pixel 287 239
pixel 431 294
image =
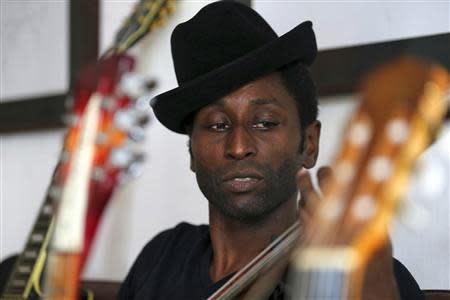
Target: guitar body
pixel 6 267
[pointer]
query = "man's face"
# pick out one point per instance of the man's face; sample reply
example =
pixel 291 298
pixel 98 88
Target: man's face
pixel 246 150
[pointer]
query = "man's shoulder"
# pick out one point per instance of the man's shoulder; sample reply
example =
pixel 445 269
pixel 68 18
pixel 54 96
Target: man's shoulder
pixel 407 285
pixel 177 236
pixel 169 246
pixel 185 229
pixel 166 256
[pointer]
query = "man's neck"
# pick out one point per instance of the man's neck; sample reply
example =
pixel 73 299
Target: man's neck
pixel 236 243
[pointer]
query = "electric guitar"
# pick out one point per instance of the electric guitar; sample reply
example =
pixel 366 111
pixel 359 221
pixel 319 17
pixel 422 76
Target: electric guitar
pixel 403 105
pixel 97 154
pixel 24 281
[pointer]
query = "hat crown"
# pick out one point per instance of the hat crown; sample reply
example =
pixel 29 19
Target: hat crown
pixel 218 34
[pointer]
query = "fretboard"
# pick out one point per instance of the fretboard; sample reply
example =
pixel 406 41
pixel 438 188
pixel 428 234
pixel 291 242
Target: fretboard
pixel 27 270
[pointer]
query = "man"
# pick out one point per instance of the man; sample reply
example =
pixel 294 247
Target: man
pixel 248 105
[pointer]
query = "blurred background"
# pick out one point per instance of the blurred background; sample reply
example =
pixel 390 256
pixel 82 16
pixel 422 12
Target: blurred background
pixel 35 62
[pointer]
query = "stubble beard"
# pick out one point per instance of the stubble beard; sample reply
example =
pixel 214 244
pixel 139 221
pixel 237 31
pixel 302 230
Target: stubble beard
pixel 279 186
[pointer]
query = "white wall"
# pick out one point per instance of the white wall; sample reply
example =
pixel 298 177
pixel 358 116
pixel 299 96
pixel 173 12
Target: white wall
pixel 34 56
pixel 166 193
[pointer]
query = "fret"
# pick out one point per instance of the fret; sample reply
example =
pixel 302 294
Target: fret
pixel 37 237
pixel 12 294
pixel 19 283
pixel 22 273
pixel 28 262
pixel 43 219
pixel 42 227
pixel 24 269
pixel 45 214
pixel 19 280
pixel 30 254
pixel 47 209
pixel 34 246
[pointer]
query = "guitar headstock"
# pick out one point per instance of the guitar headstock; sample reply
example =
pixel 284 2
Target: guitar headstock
pixel 105 122
pixel 146 16
pixel 106 115
pixel 403 105
pixel 120 120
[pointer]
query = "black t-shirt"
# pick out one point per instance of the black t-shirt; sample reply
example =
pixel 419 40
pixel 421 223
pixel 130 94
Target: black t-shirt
pixel 175 265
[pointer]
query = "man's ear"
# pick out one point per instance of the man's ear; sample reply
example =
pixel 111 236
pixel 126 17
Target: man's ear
pixel 311 144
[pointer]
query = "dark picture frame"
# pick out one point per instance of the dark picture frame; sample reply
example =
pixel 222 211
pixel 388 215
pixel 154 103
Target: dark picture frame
pixel 339 71
pixel 46 112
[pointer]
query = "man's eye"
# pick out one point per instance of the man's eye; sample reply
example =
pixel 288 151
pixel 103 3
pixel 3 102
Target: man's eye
pixel 219 126
pixel 265 125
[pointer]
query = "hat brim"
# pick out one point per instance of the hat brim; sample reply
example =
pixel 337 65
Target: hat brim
pixel 172 107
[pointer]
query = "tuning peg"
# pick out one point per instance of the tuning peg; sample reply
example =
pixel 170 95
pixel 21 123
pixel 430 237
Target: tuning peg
pixel 171 6
pixel 140 106
pixel 121 158
pixel 55 192
pixel 414 216
pixel 139 157
pixel 137 134
pixel 151 84
pixel 135 169
pixel 124 119
pixel 143 120
pixel 133 84
pixel 163 13
pixel 127 119
pixel 70 120
pixel 142 116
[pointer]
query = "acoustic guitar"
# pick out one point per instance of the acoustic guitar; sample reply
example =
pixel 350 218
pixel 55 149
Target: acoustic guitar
pixel 114 122
pixel 402 107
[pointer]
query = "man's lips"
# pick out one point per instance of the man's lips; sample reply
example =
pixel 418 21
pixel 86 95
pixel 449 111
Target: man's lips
pixel 242 183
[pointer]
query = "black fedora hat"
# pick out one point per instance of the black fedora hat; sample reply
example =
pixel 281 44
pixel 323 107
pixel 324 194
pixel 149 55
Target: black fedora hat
pixel 224 46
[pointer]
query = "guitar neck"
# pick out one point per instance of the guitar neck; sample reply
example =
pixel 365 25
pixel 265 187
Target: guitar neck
pixel 266 259
pixel 314 283
pixel 26 274
pixel 350 223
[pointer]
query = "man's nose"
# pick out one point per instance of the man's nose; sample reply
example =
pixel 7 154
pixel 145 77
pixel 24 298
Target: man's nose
pixel 240 144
